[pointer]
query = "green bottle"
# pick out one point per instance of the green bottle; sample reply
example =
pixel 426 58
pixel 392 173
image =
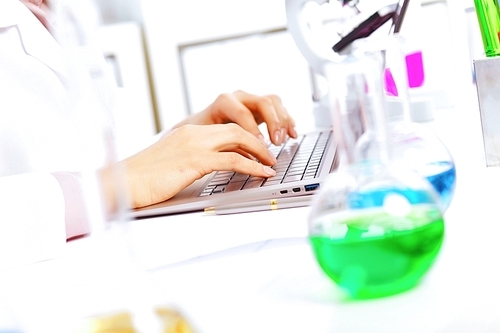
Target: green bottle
pixel 489 23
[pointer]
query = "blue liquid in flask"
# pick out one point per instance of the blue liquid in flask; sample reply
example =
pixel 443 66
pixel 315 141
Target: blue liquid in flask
pixel 376 197
pixel 442 176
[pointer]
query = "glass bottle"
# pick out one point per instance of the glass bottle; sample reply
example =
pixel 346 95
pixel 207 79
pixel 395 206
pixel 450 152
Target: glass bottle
pixel 412 143
pixel 488 16
pixel 376 226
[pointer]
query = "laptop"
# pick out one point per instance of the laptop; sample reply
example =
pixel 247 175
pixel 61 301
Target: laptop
pixel 302 165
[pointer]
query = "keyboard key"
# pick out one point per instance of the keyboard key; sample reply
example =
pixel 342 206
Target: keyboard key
pixel 234 186
pixel 252 184
pixel 296 159
pixel 270 182
pixel 289 179
pixel 239 177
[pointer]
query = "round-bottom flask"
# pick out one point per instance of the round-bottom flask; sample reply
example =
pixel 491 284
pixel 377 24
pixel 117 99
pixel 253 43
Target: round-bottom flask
pixel 422 151
pixel 374 230
pixel 376 226
pixel 412 143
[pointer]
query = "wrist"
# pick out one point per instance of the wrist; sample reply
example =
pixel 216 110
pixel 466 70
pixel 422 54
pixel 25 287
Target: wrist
pixel 114 189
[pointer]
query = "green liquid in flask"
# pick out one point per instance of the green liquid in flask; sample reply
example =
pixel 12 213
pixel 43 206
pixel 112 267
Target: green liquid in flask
pixel 375 254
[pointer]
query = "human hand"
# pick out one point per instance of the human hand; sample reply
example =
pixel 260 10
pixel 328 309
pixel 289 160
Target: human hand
pixel 248 111
pixel 189 152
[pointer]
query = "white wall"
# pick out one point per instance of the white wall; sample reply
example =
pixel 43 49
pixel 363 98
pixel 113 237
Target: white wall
pixel 195 22
pixel 186 50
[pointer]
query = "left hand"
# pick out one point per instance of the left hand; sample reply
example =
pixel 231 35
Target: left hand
pixel 248 111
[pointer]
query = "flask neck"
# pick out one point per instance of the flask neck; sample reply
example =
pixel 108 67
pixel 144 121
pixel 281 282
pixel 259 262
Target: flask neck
pixel 357 101
pixel 395 78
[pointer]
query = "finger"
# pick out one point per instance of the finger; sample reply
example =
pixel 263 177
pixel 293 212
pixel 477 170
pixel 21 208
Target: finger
pixel 244 154
pixel 231 161
pixel 268 109
pixel 263 110
pixel 244 117
pixel 285 118
pixel 286 121
pixel 233 138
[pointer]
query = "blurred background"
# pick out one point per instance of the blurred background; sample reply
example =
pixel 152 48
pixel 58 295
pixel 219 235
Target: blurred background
pixel 170 59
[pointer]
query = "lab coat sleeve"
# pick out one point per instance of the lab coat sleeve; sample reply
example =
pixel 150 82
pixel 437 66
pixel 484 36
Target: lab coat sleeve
pixel 32 219
pixel 76 215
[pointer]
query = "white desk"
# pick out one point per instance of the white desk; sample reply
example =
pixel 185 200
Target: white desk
pixel 276 285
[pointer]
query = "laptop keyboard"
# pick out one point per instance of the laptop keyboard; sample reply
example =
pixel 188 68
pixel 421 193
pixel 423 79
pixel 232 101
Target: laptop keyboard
pixel 297 159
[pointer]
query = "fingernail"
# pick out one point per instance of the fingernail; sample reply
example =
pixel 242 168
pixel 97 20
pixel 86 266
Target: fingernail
pixel 277 137
pixel 283 135
pixel 294 132
pixel 262 139
pixel 269 170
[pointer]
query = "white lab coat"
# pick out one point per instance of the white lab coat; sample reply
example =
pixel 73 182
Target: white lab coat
pixel 41 131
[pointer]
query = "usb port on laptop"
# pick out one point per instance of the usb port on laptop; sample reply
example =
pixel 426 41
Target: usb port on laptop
pixel 311 187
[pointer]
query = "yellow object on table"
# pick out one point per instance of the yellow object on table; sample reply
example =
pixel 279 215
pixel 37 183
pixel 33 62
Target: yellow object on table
pixel 173 321
pixel 114 323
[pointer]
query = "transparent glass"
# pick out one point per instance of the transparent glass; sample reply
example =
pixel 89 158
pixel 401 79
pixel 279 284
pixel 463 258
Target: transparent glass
pixel 488 15
pixel 120 294
pixel 56 131
pixel 412 143
pixel 117 288
pixel 376 226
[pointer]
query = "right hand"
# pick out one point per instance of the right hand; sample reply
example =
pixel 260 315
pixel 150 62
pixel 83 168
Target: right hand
pixel 248 111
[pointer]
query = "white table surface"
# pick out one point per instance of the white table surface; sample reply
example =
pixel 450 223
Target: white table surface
pixel 256 272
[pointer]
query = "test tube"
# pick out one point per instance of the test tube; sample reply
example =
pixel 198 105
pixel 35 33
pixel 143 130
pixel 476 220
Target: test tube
pixel 489 23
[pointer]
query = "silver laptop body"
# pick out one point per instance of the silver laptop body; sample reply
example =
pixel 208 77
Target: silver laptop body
pixel 314 150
